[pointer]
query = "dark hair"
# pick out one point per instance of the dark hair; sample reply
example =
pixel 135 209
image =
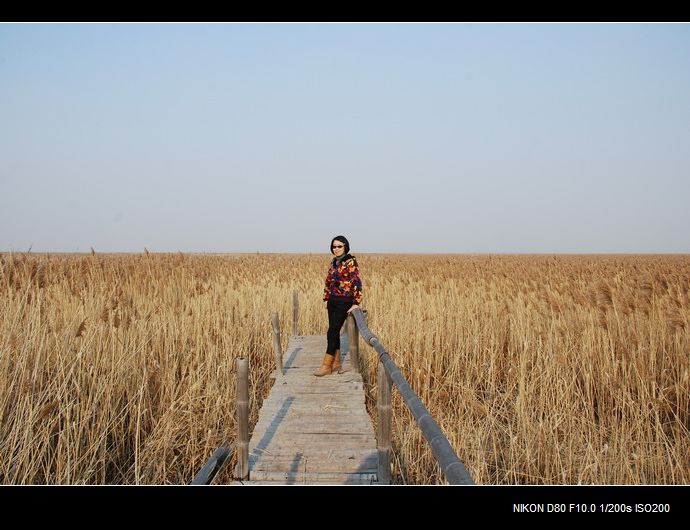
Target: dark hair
pixel 343 240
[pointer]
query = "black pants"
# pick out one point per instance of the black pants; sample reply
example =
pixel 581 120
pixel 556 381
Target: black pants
pixel 337 314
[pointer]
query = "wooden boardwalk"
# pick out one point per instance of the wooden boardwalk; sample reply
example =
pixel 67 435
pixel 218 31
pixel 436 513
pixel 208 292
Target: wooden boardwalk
pixel 313 430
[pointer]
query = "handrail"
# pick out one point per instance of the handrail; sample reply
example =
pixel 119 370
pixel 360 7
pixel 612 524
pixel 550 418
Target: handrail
pixel 451 466
pixel 222 455
pixel 214 464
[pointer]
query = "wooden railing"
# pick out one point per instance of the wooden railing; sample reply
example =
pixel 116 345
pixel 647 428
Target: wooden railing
pixel 452 467
pixel 214 464
pixel 388 374
pixel 222 455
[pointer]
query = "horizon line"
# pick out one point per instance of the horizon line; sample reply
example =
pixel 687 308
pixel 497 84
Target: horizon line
pixel 227 253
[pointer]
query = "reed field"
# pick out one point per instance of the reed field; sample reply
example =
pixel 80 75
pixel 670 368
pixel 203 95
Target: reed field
pixel 118 369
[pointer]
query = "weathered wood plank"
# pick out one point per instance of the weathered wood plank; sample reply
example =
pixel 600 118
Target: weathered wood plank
pixel 283 453
pixel 299 440
pixel 288 449
pixel 307 465
pixel 285 449
pixel 313 417
pixel 329 453
pixel 310 423
pixel 346 478
pixel 316 410
pixel 309 477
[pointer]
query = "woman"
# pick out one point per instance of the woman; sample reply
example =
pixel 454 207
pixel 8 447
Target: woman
pixel 342 294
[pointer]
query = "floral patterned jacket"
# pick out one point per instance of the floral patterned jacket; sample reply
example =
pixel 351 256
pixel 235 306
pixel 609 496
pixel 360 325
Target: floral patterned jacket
pixel 343 281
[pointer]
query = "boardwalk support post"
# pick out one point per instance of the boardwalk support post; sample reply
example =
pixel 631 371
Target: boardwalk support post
pixel 383 427
pixel 276 344
pixel 353 342
pixel 295 305
pixel 242 400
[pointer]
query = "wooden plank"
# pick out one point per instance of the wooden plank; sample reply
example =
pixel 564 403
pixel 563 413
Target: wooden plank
pixel 289 400
pixel 324 438
pixel 343 410
pixel 323 430
pixel 325 452
pixel 354 389
pixel 315 395
pixel 314 411
pixel 307 379
pixel 309 415
pixel 312 426
pixel 344 405
pixel 334 438
pixel 314 415
pixel 307 420
pixel 288 383
pixel 346 412
pixel 315 466
pixel 308 477
pixel 284 442
pixel 287 438
pixel 286 449
pixel 290 433
pixel 297 391
pixel 298 441
pixel 352 482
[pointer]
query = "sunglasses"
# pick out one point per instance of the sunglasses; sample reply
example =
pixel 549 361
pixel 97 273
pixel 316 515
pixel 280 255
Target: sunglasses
pixel 337 246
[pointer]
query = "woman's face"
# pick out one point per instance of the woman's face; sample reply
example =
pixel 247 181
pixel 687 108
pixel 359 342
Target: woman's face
pixel 338 248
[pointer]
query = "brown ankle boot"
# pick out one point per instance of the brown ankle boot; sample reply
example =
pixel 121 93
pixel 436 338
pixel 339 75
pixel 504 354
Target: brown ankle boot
pixel 336 363
pixel 325 368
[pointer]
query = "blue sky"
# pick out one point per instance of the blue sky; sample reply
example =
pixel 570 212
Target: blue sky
pixel 403 137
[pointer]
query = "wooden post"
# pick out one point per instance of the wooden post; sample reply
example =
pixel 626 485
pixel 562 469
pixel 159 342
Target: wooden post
pixel 242 400
pixel 383 427
pixel 353 340
pixel 294 312
pixel 278 354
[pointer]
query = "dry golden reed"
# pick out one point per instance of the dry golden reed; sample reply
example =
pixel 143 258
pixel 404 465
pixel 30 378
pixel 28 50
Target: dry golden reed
pixel 540 369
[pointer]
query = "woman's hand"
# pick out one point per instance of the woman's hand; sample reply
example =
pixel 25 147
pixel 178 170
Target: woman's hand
pixel 354 306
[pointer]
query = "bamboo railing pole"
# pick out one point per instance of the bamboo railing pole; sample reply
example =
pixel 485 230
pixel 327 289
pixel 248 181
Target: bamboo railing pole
pixel 452 467
pixel 353 341
pixel 383 426
pixel 295 305
pixel 278 354
pixel 242 383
